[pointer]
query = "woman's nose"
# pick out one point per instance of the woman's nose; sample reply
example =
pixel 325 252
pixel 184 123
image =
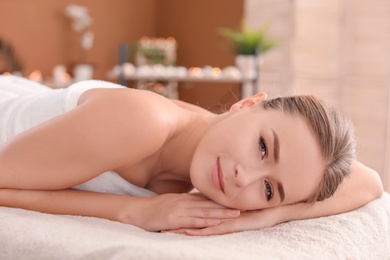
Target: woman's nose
pixel 243 177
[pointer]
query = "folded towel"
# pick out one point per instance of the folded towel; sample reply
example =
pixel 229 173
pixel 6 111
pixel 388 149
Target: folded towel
pixel 111 182
pixel 18 86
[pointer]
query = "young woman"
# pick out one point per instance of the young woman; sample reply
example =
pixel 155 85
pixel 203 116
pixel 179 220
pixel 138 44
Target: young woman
pixel 92 148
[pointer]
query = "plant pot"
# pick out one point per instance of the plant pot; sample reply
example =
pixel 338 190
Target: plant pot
pixel 249 66
pixel 82 72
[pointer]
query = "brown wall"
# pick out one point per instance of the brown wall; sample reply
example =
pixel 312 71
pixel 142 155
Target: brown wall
pixel 42 36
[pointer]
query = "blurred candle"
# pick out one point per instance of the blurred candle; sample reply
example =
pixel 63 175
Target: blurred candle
pixel 60 76
pixel 36 75
pixel 144 42
pixel 195 71
pixel 216 72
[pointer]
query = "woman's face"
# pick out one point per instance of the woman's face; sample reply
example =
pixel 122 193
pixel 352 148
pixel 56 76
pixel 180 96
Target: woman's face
pixel 257 159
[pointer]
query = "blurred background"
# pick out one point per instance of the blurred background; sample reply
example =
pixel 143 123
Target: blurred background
pixel 336 49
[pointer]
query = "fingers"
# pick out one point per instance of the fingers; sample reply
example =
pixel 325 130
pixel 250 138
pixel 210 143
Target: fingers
pixel 200 215
pixel 223 228
pixel 185 211
pixel 191 222
pixel 214 213
pixel 193 231
pixel 195 218
pixel 176 231
pixel 251 220
pixel 204 217
pixel 210 231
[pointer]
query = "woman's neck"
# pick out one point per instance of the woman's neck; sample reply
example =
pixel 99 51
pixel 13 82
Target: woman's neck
pixel 177 153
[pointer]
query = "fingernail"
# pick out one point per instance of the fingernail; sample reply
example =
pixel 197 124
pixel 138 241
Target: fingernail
pixel 235 212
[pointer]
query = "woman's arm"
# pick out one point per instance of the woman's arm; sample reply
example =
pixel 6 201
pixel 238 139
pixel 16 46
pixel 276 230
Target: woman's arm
pixel 169 211
pixel 362 186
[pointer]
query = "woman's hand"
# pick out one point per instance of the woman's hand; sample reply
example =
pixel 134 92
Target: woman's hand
pixel 177 211
pixel 248 220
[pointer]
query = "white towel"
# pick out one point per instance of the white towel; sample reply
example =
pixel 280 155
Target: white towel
pixel 111 182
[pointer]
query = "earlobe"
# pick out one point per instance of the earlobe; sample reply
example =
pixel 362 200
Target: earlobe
pixel 248 102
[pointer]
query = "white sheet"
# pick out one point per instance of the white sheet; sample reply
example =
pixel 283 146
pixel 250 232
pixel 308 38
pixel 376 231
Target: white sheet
pixel 360 234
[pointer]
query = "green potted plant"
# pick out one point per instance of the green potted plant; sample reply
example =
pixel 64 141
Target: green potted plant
pixel 247 41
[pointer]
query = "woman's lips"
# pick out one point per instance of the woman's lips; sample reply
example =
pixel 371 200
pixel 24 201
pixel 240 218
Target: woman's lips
pixel 220 175
pixel 217 176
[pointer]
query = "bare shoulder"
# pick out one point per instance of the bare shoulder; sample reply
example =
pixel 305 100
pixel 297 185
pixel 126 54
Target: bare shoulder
pixel 191 107
pixel 138 108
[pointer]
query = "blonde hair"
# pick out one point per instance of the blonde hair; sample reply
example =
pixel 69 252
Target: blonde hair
pixel 334 133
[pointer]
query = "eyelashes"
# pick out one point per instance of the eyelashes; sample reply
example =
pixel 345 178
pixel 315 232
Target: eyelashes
pixel 263 148
pixel 269 192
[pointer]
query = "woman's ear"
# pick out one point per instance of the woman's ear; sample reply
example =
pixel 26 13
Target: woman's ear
pixel 248 102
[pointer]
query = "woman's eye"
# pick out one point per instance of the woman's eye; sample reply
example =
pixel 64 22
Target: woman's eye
pixel 263 148
pixel 268 190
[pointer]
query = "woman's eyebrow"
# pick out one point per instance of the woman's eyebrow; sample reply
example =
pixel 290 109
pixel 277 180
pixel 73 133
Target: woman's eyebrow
pixel 276 146
pixel 276 159
pixel 281 191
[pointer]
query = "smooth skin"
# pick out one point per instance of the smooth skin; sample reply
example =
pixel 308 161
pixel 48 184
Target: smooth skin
pixel 169 147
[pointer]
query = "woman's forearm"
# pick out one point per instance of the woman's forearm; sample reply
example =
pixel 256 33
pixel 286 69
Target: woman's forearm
pixel 162 212
pixel 362 186
pixel 69 202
